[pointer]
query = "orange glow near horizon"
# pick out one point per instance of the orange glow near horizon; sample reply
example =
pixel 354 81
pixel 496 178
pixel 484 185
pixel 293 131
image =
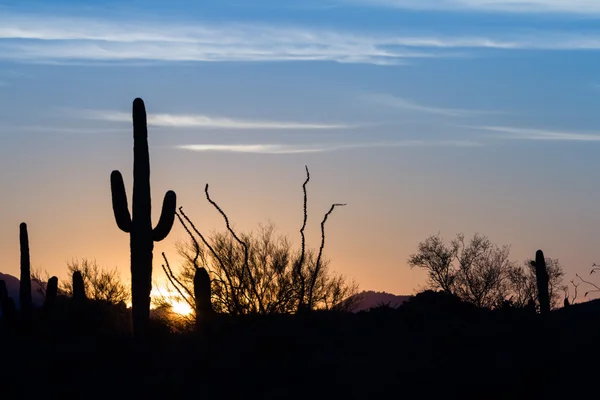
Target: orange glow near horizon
pixel 181 308
pixel 178 306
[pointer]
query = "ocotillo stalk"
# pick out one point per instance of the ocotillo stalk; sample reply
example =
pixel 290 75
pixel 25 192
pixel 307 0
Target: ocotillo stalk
pixel 139 223
pixel 25 283
pixel 202 296
pixel 542 282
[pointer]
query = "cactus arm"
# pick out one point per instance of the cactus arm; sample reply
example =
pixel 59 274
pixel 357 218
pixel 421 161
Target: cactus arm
pixel 167 217
pixel 119 202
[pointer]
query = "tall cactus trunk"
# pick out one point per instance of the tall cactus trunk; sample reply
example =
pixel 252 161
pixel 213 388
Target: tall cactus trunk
pixel 139 223
pixel 541 274
pixel 25 279
pixel 202 297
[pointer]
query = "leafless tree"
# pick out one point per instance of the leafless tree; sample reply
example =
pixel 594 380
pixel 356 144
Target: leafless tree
pixel 39 280
pixel 258 272
pixel 594 288
pixel 434 256
pixel 480 272
pixel 482 275
pixel 100 284
pixel 523 284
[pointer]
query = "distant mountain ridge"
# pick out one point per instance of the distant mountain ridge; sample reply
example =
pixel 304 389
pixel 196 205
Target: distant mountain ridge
pixel 369 299
pixel 364 300
pixel 12 287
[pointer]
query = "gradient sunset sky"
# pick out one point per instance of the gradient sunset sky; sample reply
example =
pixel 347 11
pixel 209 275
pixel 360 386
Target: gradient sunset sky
pixel 424 116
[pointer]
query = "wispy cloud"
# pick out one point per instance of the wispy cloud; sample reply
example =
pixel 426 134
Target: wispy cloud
pixel 317 148
pixel 505 132
pixel 47 38
pixel 203 121
pixel 513 6
pixel 56 129
pixel 404 104
pixel 52 39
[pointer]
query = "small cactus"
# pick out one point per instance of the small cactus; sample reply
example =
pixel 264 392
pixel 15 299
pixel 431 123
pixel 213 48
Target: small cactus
pixel 202 296
pixel 3 290
pixel 7 305
pixel 25 280
pixel 51 293
pixel 541 274
pixel 78 317
pixel 79 295
pixel 139 223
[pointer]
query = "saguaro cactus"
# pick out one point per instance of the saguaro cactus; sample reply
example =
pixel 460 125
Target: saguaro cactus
pixel 542 282
pixel 139 223
pixel 25 283
pixel 202 296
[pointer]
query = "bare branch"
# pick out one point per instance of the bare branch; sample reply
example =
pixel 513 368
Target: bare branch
pixel 243 244
pixel 318 264
pixel 214 253
pixel 194 241
pixel 303 243
pixel 575 285
pixel 597 289
pixel 175 282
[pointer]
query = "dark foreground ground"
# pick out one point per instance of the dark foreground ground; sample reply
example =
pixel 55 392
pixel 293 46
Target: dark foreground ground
pixel 420 351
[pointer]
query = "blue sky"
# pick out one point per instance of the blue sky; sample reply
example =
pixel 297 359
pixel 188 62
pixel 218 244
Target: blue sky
pixel 425 116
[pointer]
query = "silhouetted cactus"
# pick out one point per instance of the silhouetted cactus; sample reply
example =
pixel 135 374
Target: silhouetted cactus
pixel 78 288
pixel 202 296
pixel 3 290
pixel 542 282
pixel 139 223
pixel 51 293
pixel 7 304
pixel 78 303
pixel 25 280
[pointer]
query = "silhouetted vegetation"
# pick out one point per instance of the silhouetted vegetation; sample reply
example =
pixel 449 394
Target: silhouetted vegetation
pixel 273 322
pixel 480 272
pixel 25 278
pixel 98 284
pixel 139 224
pixel 258 272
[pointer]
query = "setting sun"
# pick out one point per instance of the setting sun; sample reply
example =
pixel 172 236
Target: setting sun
pixel 181 308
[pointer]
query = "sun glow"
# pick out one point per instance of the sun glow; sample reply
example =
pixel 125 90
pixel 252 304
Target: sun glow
pixel 181 308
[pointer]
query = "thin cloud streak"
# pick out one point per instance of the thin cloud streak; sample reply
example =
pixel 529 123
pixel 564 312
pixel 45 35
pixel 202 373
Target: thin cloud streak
pixel 75 130
pixel 316 148
pixel 538 134
pixel 203 121
pixel 404 104
pixel 52 39
pixel 511 6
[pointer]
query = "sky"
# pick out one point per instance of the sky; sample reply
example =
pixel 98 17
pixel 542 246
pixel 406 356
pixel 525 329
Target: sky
pixel 424 116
